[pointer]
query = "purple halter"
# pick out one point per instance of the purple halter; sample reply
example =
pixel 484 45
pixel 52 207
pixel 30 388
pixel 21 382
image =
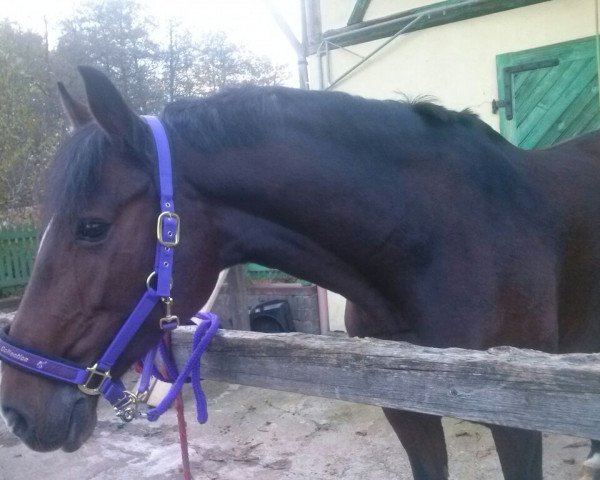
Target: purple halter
pixel 96 380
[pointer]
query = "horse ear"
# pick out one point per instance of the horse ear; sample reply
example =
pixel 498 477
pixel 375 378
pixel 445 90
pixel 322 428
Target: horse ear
pixel 78 113
pixel 109 108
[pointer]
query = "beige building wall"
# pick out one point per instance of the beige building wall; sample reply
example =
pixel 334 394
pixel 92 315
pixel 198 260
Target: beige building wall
pixel 455 63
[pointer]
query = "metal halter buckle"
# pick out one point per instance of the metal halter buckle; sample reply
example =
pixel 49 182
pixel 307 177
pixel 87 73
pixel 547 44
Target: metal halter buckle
pixel 93 384
pixel 174 236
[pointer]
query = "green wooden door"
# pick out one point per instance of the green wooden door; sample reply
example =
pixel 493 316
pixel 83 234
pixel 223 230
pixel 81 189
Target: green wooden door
pixel 552 91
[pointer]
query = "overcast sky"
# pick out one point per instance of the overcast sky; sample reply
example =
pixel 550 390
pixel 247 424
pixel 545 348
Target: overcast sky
pixel 247 22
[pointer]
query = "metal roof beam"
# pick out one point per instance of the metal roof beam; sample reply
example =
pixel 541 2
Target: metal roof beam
pixel 358 12
pixel 443 13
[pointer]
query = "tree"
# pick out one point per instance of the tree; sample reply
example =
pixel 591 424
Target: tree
pixel 214 62
pixel 113 36
pixel 28 128
pixel 179 59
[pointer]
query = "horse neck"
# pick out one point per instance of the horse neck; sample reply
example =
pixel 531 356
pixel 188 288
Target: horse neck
pixel 300 211
pixel 571 167
pixel 589 142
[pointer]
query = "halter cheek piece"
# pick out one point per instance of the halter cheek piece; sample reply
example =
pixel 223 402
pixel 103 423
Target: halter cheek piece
pixel 96 380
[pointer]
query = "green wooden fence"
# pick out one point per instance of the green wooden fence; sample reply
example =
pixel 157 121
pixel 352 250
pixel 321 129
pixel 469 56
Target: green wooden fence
pixel 18 246
pixel 17 249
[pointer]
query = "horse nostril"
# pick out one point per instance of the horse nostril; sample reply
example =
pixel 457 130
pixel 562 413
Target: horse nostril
pixel 16 421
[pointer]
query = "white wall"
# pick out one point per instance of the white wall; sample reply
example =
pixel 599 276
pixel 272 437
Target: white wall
pixel 454 63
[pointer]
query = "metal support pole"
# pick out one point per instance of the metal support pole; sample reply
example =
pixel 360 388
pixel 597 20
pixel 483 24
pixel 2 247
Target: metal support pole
pixel 374 52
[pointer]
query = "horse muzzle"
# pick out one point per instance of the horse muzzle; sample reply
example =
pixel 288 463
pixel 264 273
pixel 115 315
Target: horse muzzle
pixel 54 416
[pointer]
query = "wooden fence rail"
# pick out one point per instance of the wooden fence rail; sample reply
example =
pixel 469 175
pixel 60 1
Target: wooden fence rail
pixel 504 386
pixel 17 249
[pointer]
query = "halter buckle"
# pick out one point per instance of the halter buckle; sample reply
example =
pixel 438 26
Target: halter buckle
pixel 173 239
pixel 93 384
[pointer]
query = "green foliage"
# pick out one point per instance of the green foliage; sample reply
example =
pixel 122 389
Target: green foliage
pixel 28 126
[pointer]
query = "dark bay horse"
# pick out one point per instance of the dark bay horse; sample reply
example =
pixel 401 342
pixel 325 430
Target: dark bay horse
pixel 435 228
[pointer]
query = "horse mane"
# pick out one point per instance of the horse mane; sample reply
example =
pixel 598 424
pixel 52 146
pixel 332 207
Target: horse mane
pixel 247 116
pixel 438 115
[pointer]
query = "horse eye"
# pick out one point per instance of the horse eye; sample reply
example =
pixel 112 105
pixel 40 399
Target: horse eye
pixel 91 230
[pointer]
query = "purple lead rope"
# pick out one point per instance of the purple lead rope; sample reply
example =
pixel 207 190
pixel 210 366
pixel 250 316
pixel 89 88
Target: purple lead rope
pixel 207 328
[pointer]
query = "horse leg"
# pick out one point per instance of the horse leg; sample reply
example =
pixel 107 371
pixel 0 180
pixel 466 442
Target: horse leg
pixel 591 467
pixel 520 452
pixel 422 437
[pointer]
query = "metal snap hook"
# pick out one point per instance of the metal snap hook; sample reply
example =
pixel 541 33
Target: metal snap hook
pixel 169 321
pixel 127 408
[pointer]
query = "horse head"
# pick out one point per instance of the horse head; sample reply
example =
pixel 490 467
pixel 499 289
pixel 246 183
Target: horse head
pixel 93 261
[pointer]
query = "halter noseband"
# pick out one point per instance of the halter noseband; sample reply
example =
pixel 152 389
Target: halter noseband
pixel 96 380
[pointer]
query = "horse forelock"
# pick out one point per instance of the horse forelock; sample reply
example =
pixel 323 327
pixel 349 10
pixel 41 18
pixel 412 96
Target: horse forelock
pixel 76 173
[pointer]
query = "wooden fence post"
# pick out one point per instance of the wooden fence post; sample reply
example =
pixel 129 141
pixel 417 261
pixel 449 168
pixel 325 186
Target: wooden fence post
pixel 238 298
pixel 17 249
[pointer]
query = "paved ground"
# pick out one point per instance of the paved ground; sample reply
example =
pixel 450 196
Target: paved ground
pixel 255 434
